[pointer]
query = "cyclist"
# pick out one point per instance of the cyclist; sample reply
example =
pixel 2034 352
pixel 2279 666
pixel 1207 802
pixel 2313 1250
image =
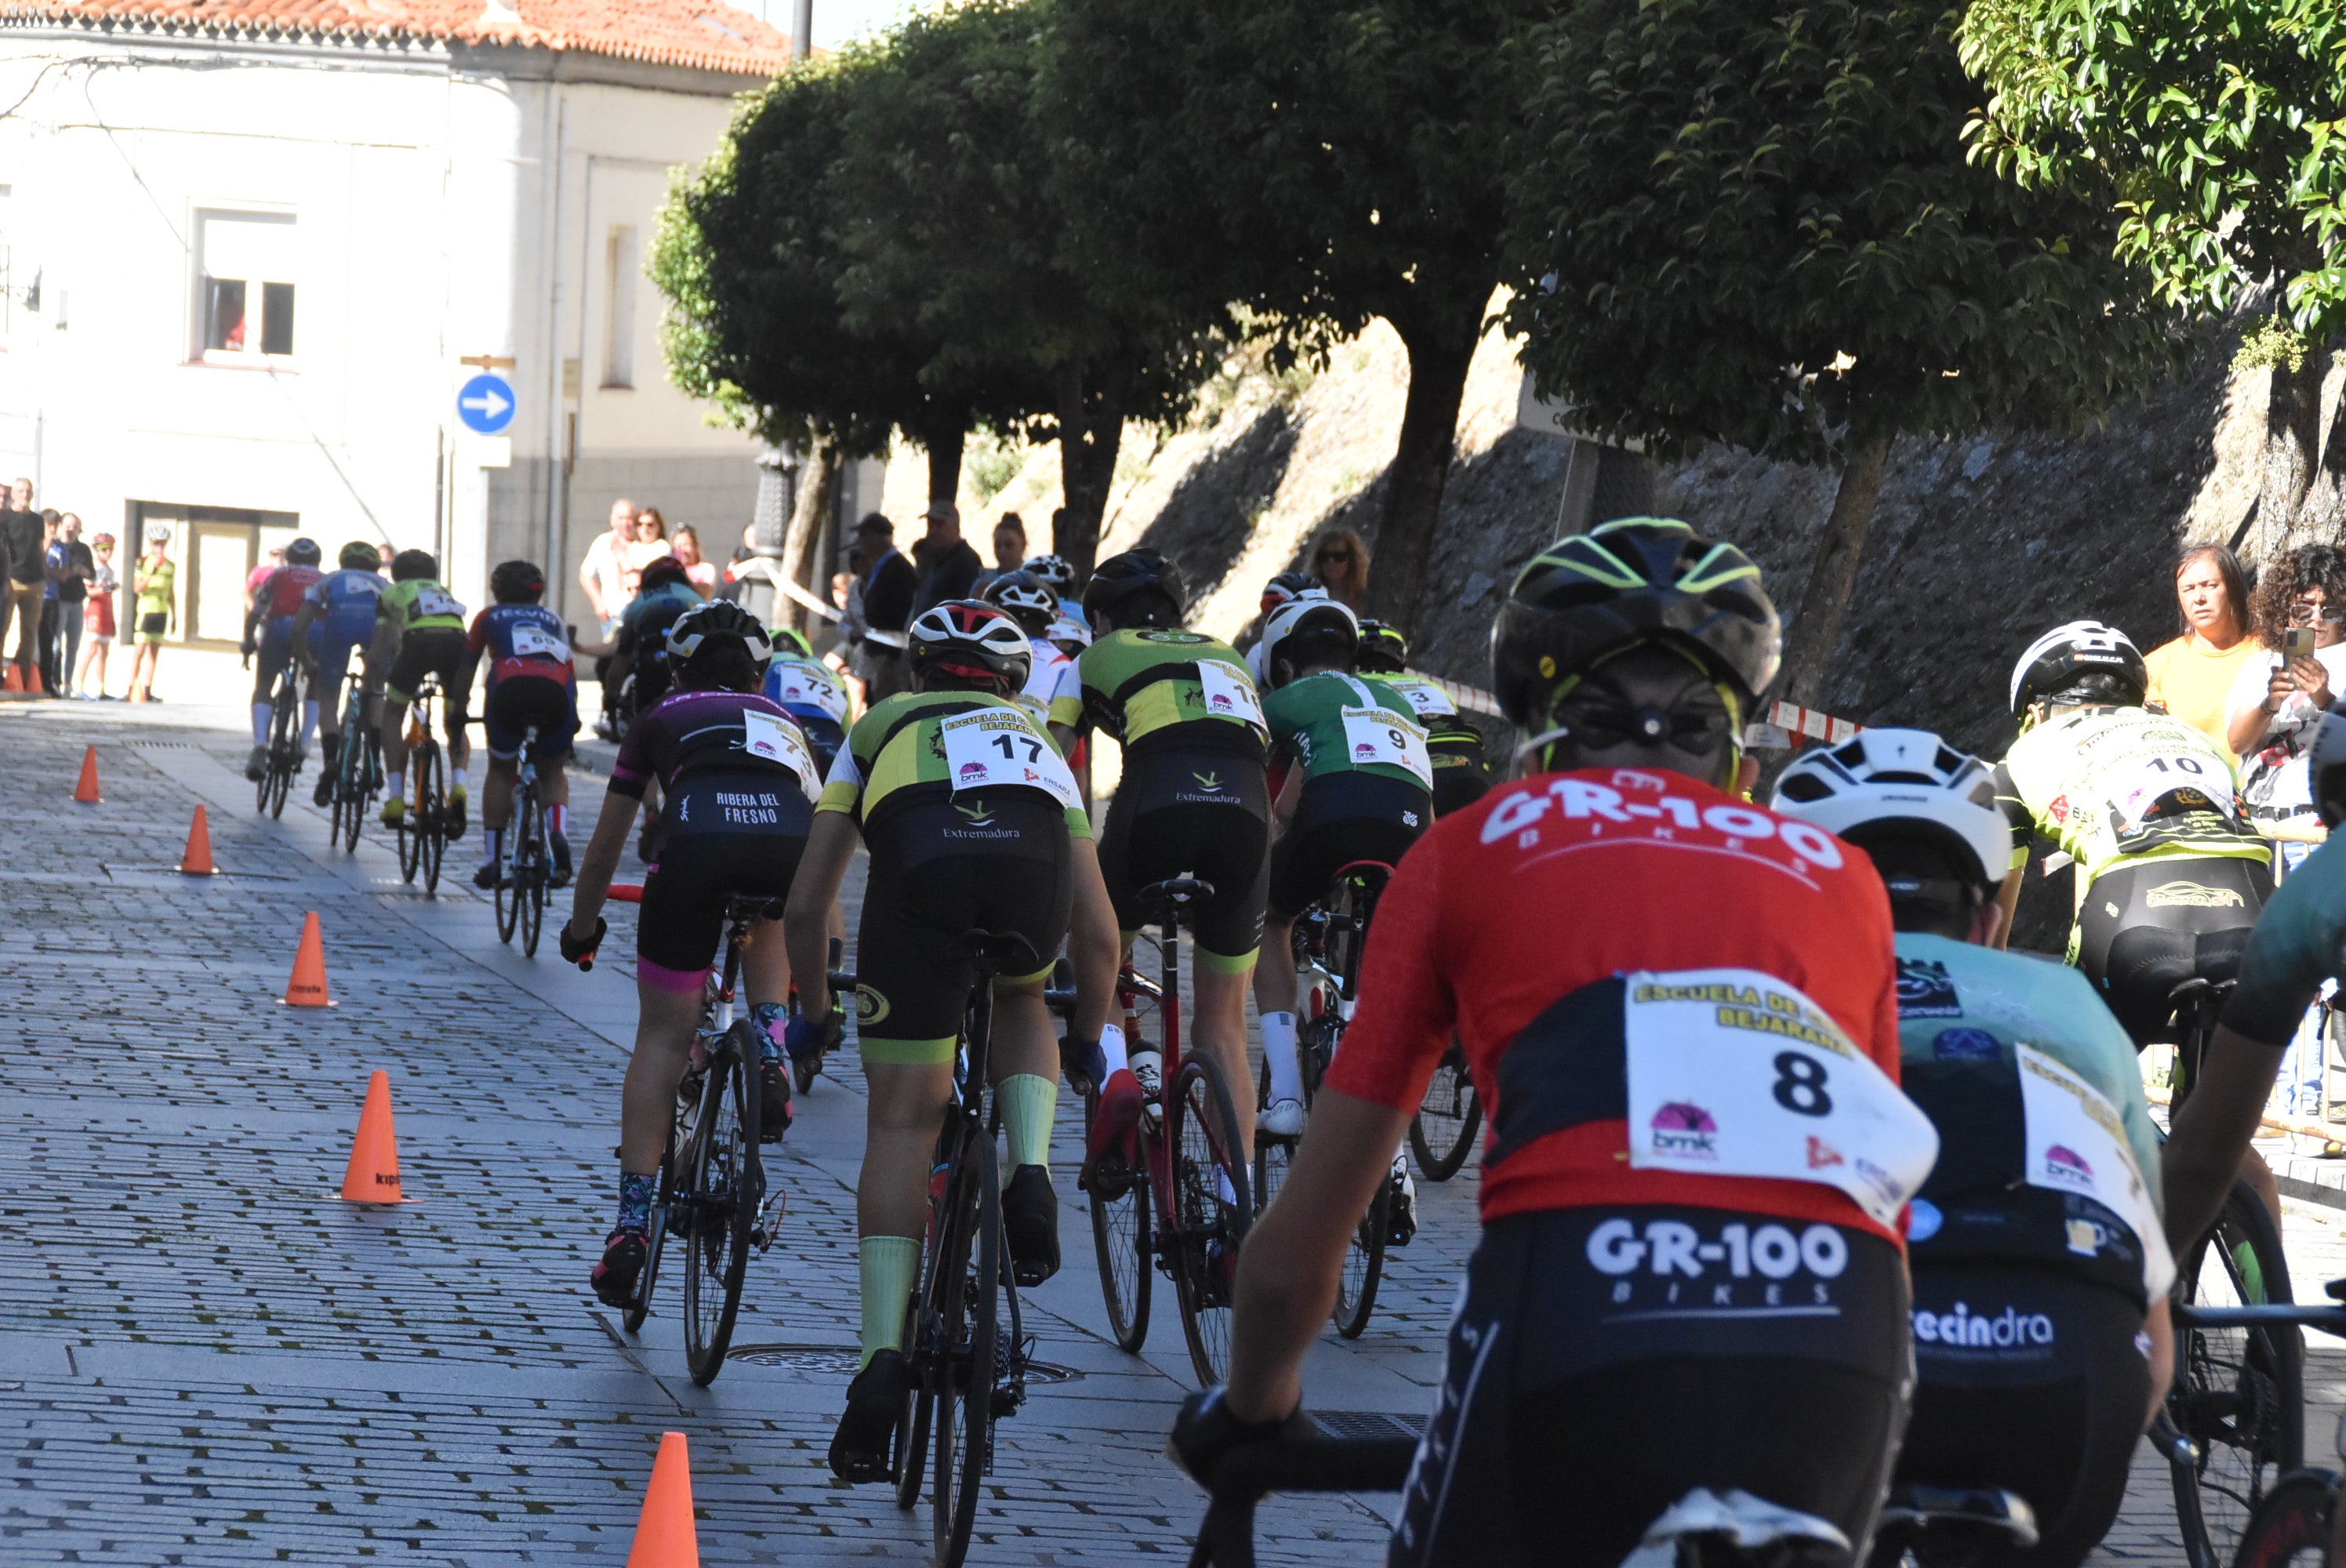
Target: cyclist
pixel 268 631
pixel 1054 693
pixel 1284 588
pixel 533 680
pixel 1682 1013
pixel 738 783
pixel 2169 876
pixel 2040 1264
pixel 342 606
pixel 663 592
pixel 420 631
pixel 1359 792
pixel 1462 774
pixel 804 687
pixel 1058 575
pixel 1194 802
pixel 972 823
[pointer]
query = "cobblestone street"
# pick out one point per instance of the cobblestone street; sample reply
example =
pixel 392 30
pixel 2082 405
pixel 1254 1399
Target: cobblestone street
pixel 215 1360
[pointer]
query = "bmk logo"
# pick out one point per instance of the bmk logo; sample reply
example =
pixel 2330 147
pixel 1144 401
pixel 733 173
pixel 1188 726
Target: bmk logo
pixel 2068 1165
pixel 1363 751
pixel 972 771
pixel 1220 702
pixel 1686 1129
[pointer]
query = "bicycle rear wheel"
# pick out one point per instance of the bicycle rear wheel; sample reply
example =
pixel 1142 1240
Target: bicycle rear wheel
pixel 664 1214
pixel 1442 1133
pixel 2290 1528
pixel 726 1189
pixel 1364 1266
pixel 284 742
pixel 1120 1202
pixel 1210 1206
pixel 531 869
pixel 2238 1393
pixel 508 897
pixel 430 806
pixel 970 1265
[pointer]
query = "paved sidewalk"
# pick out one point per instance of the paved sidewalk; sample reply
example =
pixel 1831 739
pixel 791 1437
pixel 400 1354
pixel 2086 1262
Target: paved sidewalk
pixel 216 1361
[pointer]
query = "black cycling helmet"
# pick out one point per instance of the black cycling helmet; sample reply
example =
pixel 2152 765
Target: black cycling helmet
pixel 1122 578
pixel 303 552
pixel 967 640
pixel 1383 650
pixel 1634 580
pixel 2076 653
pixel 1025 597
pixel 413 565
pixel 518 583
pixel 720 623
pixel 665 570
pixel 357 556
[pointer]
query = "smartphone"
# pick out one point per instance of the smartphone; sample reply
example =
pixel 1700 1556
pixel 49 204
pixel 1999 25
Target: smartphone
pixel 2297 642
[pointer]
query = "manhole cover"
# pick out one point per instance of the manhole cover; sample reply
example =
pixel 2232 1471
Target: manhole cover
pixel 1369 1424
pixel 839 1363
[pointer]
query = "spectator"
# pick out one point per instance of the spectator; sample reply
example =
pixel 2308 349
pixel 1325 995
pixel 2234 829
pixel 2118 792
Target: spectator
pixel 1341 562
pixel 649 545
pixel 603 575
pixel 948 566
pixel 52 558
pixel 71 571
pixel 701 573
pixel 103 586
pixel 847 597
pixel 28 577
pixel 155 584
pixel 270 561
pixel 887 588
pixel 2192 675
pixel 1009 551
pixel 385 555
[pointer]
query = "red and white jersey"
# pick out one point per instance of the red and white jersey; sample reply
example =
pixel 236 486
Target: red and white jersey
pixel 1518 924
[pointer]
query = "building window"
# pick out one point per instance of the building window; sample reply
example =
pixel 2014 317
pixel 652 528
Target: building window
pixel 245 287
pixel 619 282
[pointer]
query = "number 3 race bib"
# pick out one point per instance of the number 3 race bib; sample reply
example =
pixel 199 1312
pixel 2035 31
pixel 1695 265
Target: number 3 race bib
pixel 776 740
pixel 991 748
pixel 1735 1073
pixel 2077 1144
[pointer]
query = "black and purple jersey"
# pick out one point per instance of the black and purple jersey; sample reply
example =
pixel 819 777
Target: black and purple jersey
pixel 690 732
pixel 523 639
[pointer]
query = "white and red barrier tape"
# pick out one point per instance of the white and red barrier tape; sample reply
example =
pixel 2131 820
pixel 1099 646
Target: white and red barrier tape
pixel 1787 724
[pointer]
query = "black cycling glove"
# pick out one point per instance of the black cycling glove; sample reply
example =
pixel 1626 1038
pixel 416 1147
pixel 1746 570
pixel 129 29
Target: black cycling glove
pixel 1205 1431
pixel 582 954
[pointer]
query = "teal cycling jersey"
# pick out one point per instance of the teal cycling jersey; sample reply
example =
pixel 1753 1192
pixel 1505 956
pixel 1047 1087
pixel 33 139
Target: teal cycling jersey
pixel 2300 941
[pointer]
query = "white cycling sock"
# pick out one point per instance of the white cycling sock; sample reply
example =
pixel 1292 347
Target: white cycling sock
pixel 1278 1054
pixel 260 723
pixel 456 778
pixel 308 723
pixel 1112 1047
pixel 494 847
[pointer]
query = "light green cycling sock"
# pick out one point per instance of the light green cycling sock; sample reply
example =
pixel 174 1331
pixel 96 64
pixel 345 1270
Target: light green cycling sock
pixel 887 1265
pixel 1028 1104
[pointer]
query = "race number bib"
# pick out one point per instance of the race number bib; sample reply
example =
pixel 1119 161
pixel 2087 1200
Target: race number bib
pixel 995 747
pixel 1735 1073
pixel 2078 1144
pixel 1229 694
pixel 434 602
pixel 1427 699
pixel 1379 736
pixel 776 740
pixel 536 642
pixel 797 685
pixel 2147 783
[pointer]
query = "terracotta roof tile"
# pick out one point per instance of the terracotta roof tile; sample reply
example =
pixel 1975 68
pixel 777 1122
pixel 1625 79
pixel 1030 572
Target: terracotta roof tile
pixel 704 33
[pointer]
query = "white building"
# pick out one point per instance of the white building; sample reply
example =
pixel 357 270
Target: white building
pixel 248 249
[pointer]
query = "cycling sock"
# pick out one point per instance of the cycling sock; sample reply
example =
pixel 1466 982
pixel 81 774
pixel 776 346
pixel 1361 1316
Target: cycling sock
pixel 1279 1055
pixel 260 723
pixel 886 1266
pixel 494 850
pixel 308 723
pixel 455 777
pixel 331 743
pixel 1111 1045
pixel 557 822
pixel 1029 1101
pixel 636 1195
pixel 395 787
pixel 771 1019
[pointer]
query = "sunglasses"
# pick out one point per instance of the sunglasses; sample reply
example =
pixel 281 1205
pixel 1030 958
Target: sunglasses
pixel 1334 556
pixel 2306 614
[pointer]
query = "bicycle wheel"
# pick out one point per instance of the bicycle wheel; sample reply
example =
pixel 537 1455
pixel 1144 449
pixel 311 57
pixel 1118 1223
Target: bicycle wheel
pixel 353 789
pixel 664 1216
pixel 2290 1528
pixel 1442 1134
pixel 1210 1206
pixel 284 738
pixel 970 1265
pixel 1120 1201
pixel 531 869
pixel 910 1445
pixel 430 806
pixel 508 898
pixel 1364 1266
pixel 726 1188
pixel 2238 1393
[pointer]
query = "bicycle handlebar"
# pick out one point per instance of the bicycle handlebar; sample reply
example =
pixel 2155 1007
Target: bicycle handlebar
pixel 2329 1317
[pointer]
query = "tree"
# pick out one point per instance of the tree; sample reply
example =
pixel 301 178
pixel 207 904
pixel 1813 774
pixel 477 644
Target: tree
pixel 1755 225
pixel 2220 122
pixel 1319 162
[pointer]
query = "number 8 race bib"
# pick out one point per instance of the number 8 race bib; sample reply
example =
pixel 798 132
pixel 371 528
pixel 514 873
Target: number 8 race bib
pixel 1735 1073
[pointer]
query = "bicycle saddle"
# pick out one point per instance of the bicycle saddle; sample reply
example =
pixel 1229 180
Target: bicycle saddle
pixel 1158 897
pixel 1941 1509
pixel 2335 1290
pixel 753 906
pixel 997 953
pixel 1370 871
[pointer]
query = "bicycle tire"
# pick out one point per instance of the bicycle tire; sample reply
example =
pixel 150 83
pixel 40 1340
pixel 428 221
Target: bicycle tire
pixel 508 894
pixel 1122 1218
pixel 284 742
pixel 963 1436
pixel 2291 1526
pixel 1201 1132
pixel 632 1317
pixel 2238 1393
pixel 726 1190
pixel 1442 1131
pixel 430 806
pixel 1364 1266
pixel 532 867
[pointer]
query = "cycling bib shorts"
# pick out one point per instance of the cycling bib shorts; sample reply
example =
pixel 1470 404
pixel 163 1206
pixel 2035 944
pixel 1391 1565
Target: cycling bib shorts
pixel 1202 814
pixel 722 833
pixel 1341 818
pixel 431 650
pixel 2145 929
pixel 519 701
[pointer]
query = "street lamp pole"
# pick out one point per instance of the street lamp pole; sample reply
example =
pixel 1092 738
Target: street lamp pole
pixel 802 29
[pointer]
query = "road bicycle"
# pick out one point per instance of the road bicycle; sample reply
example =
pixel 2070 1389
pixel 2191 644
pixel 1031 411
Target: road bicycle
pixel 1175 1195
pixel 1442 1133
pixel 966 1341
pixel 1328 941
pixel 358 765
pixel 712 1195
pixel 525 868
pixel 423 830
pixel 284 759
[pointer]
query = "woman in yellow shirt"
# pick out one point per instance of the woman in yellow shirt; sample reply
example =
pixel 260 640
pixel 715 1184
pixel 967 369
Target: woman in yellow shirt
pixel 2192 676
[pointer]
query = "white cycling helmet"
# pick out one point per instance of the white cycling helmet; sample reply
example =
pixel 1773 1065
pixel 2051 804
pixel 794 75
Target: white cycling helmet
pixel 2076 649
pixel 1067 630
pixel 1309 609
pixel 969 639
pixel 1909 779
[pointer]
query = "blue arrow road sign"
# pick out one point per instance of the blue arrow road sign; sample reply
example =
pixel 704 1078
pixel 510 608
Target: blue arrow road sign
pixel 485 404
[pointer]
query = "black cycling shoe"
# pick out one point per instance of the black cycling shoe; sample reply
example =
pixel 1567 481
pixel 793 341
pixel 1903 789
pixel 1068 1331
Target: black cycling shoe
pixel 323 795
pixel 485 876
pixel 561 847
pixel 875 1403
pixel 773 1100
pixel 1030 1218
pixel 623 1252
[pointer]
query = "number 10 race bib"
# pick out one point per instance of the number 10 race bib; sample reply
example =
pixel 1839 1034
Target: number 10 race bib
pixel 1735 1073
pixel 995 747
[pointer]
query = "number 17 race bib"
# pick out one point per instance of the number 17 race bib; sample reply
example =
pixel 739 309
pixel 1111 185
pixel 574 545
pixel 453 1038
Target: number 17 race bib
pixel 1735 1073
pixel 995 747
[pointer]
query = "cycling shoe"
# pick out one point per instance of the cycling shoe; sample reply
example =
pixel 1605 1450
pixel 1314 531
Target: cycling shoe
pixel 875 1403
pixel 623 1252
pixel 1030 1218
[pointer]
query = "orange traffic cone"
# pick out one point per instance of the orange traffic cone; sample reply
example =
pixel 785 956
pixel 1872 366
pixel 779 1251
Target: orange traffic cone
pixel 12 677
pixel 665 1536
pixel 308 986
pixel 86 790
pixel 195 860
pixel 373 1173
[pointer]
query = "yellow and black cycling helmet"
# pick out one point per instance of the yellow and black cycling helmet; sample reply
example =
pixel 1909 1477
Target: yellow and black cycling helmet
pixel 1383 649
pixel 1635 580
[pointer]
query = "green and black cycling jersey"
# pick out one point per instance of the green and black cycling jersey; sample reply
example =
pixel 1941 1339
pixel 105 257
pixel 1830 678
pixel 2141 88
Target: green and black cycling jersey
pixel 2113 785
pixel 896 757
pixel 1334 724
pixel 1155 689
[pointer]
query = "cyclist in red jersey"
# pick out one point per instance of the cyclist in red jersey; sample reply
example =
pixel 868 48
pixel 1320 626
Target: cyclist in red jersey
pixel 1690 1294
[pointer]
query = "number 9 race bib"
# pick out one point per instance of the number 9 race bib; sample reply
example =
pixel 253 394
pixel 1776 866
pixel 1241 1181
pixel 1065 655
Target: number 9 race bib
pixel 997 747
pixel 1379 734
pixel 1735 1073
